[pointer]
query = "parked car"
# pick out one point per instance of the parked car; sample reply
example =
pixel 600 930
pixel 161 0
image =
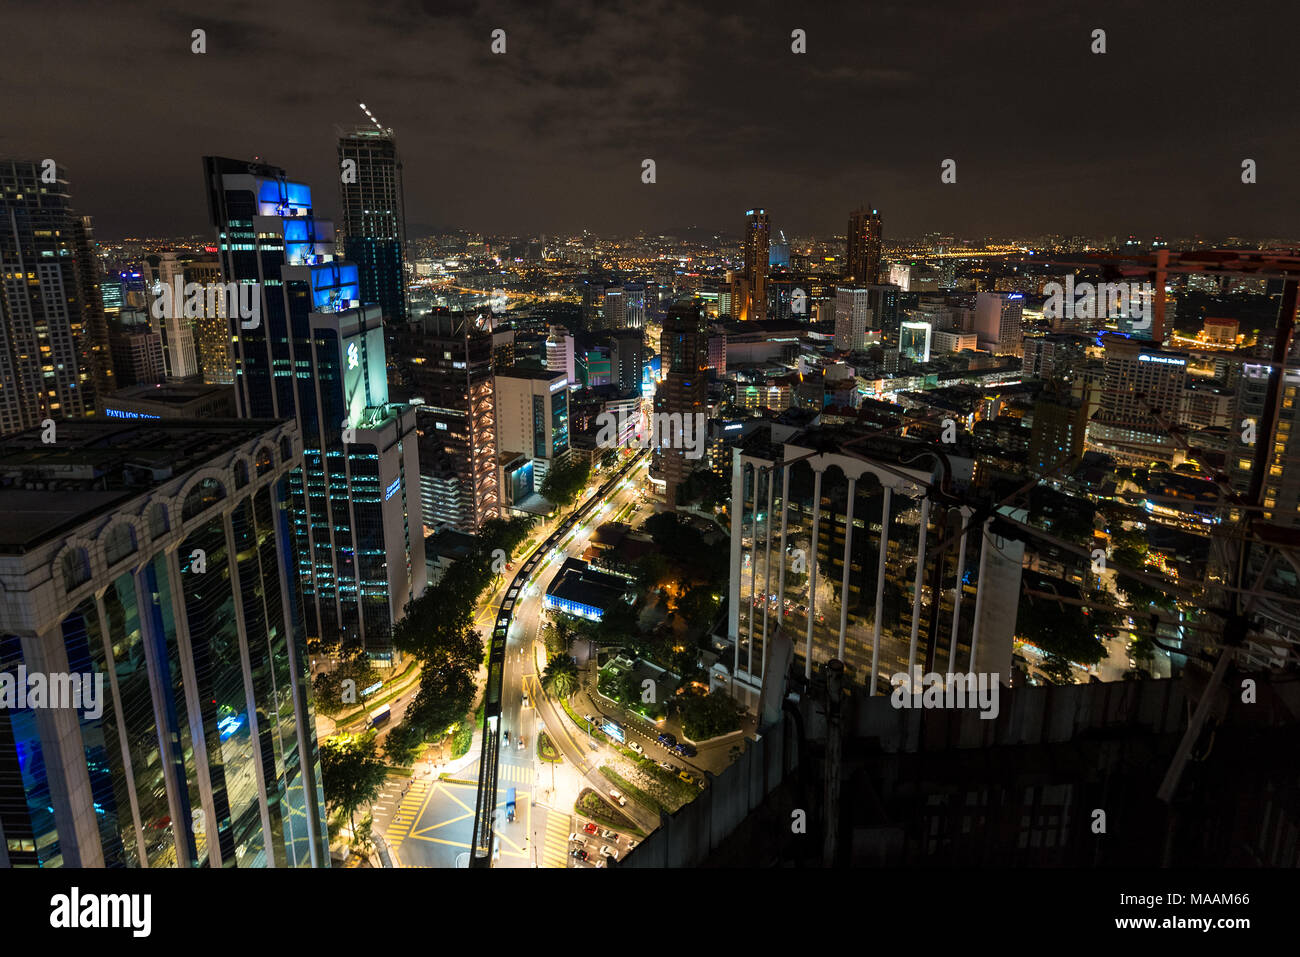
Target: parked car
pixel 607 851
pixel 579 853
pixel 609 835
pixel 686 777
pixel 576 838
pixel 589 718
pixel 631 843
pixel 521 744
pixel 636 747
pixel 668 740
pixel 590 828
pixel 687 750
pixel 507 737
pixel 667 767
pixel 614 795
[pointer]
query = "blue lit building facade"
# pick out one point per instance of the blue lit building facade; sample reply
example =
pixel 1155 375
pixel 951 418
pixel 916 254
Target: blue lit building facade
pixel 174 590
pixel 318 356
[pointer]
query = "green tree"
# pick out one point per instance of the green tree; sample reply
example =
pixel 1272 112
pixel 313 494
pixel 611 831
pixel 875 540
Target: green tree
pixel 1057 670
pixel 340 689
pixel 699 606
pixel 708 715
pixel 445 695
pixel 1059 629
pixel 563 483
pixel 561 677
pixel 402 745
pixel 352 771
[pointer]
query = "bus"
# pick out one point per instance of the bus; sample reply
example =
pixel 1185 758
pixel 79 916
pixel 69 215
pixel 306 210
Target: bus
pixel 380 715
pixel 510 805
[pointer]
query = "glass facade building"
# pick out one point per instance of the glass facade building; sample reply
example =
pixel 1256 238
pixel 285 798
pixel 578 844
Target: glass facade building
pixel 174 593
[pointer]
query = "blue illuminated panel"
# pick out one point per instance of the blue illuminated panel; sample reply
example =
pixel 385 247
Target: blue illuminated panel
pixel 283 199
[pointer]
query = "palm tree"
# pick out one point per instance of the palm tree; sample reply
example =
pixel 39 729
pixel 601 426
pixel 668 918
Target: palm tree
pixel 561 677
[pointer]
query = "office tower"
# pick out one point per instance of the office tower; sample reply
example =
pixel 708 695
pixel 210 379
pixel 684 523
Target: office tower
pixel 212 337
pixel 596 366
pixel 778 256
pixel 751 298
pixel 882 299
pixel 998 322
pixel 503 348
pixel 316 354
pixel 559 353
pixel 593 304
pixel 684 390
pixel 137 350
pixel 717 351
pixel 834 551
pixel 171 590
pixel 374 217
pixel 1059 432
pixel 614 309
pixel 55 356
pixel 187 338
pixel 863 256
pixel 447 359
pixel 914 341
pixel 634 299
pixel 853 319
pixel 627 357
pixel 946 340
pixel 1140 401
pixel 532 407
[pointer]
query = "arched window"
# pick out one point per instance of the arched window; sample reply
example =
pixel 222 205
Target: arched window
pixel 264 461
pixel 202 497
pixel 119 541
pixel 159 524
pixel 76 568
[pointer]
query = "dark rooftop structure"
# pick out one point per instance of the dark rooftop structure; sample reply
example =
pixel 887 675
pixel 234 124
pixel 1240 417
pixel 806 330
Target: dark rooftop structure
pixel 93 466
pixel 579 589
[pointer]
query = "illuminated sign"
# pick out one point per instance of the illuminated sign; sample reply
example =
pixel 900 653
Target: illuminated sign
pixel 354 355
pixel 372 689
pixel 557 386
pixel 123 414
pixel 392 489
pixel 612 729
pixel 1163 360
pixel 728 428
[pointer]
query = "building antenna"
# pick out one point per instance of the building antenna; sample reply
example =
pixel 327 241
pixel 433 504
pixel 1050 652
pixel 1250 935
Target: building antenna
pixel 379 126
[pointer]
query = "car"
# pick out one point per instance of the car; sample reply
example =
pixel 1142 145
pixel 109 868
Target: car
pixel 525 699
pixel 597 863
pixel 522 744
pixel 636 747
pixel 589 718
pixel 507 735
pixel 614 795
pixel 609 835
pixel 590 828
pixel 631 843
pixel 686 777
pixel 667 767
pixel 668 740
pixel 576 838
pixel 607 851
pixel 579 853
pixel 686 750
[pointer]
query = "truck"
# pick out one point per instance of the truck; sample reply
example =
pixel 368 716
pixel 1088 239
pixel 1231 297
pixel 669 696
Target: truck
pixel 510 805
pixel 380 715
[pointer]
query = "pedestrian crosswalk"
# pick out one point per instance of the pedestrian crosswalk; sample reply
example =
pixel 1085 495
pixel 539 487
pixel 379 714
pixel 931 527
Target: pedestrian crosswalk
pixel 407 812
pixel 555 849
pixel 515 775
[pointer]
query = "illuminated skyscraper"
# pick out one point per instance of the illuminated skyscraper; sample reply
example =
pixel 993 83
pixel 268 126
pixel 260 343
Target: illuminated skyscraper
pixel 316 353
pixel 685 349
pixel 374 219
pixel 749 294
pixel 54 350
pixel 865 230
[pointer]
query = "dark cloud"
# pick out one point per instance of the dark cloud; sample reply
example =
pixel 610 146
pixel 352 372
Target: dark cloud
pixel 550 137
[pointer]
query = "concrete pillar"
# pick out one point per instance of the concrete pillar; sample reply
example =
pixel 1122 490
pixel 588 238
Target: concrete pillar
pixel 767 572
pixel 979 590
pixel 848 561
pixel 956 605
pixel 785 513
pixel 812 571
pixel 880 587
pixel 920 583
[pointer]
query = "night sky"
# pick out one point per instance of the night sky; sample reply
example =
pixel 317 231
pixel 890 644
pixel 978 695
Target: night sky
pixel 549 137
